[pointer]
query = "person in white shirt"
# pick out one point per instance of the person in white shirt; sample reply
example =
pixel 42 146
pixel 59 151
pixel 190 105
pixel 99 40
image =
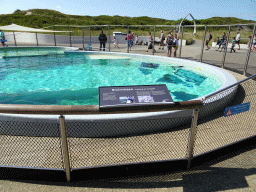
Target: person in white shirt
pixel 238 36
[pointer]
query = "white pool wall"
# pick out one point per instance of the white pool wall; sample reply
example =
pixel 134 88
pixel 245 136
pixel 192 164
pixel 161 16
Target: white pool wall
pixel 94 124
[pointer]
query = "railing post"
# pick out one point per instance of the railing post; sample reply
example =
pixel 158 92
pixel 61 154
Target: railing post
pixel 192 136
pixel 181 41
pixel 83 37
pixel 54 37
pixel 127 39
pixel 153 47
pixel 90 36
pixel 36 40
pixel 14 39
pixel 225 52
pixel 202 50
pixel 249 52
pixel 70 37
pixel 109 38
pixel 64 147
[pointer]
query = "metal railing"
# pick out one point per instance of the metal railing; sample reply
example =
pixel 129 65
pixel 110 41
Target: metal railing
pixel 242 62
pixel 93 152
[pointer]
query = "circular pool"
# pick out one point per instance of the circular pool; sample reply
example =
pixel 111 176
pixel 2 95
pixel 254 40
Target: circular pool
pixel 29 80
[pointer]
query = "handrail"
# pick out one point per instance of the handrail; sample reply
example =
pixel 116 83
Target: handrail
pixel 224 89
pixel 94 109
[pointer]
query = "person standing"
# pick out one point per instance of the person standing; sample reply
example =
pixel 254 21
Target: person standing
pixel 254 42
pixel 208 39
pixel 2 38
pixel 176 44
pixel 162 38
pixel 129 40
pixel 150 41
pixel 103 39
pixel 238 37
pixel 169 42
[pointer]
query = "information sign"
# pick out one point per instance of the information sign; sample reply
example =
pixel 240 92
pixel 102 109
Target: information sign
pixel 236 109
pixel 124 96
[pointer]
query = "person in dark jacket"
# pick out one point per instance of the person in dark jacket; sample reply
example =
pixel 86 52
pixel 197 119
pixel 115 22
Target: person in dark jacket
pixel 103 39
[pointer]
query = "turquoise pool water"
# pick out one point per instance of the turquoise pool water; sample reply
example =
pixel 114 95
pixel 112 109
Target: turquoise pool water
pixel 31 51
pixel 70 79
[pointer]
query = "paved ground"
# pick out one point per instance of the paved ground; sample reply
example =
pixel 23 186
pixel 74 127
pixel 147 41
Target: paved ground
pixel 228 169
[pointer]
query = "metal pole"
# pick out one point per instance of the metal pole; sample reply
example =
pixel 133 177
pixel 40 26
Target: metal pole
pixel 225 52
pixel 202 50
pixel 54 36
pixel 109 38
pixel 90 37
pixel 83 37
pixel 181 42
pixel 36 40
pixel 14 39
pixel 192 136
pixel 64 146
pixel 127 39
pixel 153 48
pixel 249 51
pixel 70 37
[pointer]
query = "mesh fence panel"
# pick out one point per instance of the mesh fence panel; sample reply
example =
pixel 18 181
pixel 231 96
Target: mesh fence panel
pixel 161 47
pixel 150 146
pixel 216 52
pixel 20 147
pixel 216 131
pixel 143 34
pixel 192 48
pixel 95 32
pixel 119 43
pixel 236 60
pixel 251 67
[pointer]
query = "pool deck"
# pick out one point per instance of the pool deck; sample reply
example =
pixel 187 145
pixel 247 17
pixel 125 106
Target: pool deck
pixel 234 171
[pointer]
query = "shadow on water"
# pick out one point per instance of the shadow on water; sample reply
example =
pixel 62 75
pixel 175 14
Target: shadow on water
pixel 66 97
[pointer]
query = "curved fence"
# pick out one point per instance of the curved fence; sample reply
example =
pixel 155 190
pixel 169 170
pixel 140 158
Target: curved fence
pixel 183 142
pixel 191 46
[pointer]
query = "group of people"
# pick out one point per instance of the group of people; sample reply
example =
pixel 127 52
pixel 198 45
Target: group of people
pixel 222 43
pixel 253 41
pixel 172 42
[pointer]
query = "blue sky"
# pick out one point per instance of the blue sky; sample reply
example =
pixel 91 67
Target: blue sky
pixel 167 9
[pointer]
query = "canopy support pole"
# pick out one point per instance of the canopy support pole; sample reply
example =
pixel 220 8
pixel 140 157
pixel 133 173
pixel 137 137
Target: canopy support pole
pixel 36 40
pixel 14 39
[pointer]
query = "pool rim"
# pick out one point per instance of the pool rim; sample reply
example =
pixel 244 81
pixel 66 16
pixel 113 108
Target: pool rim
pixel 88 117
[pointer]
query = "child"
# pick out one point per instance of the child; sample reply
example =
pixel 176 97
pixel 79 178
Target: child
pixel 137 40
pixel 233 45
pixel 218 42
pixel 224 44
pixel 115 42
